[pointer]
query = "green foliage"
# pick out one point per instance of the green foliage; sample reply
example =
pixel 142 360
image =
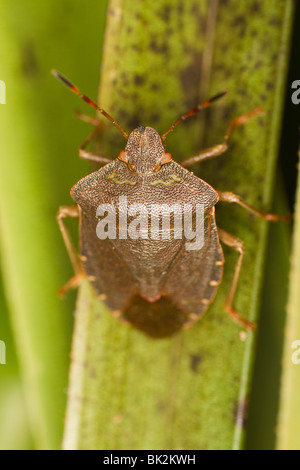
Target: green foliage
pixel 127 391
pixel 192 391
pixel 289 412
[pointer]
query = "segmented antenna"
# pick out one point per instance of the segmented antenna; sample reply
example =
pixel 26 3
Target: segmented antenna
pixel 88 100
pixel 191 112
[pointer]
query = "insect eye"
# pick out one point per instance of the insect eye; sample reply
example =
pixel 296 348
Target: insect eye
pixel 156 167
pixel 131 166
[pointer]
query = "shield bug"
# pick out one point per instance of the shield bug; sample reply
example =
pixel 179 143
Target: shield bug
pixel 159 277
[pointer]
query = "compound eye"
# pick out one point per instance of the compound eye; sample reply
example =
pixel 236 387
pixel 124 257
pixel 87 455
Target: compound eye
pixel 131 166
pixel 156 167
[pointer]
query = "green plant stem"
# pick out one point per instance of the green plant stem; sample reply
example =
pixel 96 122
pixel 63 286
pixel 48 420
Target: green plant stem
pixel 288 428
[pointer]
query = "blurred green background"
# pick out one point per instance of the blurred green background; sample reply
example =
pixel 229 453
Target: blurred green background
pixel 38 166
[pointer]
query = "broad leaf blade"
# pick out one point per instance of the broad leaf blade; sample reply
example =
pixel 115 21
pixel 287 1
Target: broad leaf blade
pixel 190 391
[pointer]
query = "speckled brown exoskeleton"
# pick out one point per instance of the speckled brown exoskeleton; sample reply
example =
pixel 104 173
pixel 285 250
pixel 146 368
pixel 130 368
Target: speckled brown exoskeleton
pixel 156 284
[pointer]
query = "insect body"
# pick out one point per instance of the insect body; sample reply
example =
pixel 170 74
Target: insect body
pixel 149 240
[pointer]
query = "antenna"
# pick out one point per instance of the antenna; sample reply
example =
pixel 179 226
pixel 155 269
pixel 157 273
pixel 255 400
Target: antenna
pixel 191 112
pixel 88 100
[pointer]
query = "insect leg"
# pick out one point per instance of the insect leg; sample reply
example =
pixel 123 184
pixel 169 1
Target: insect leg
pixel 217 150
pixel 237 245
pixel 231 197
pixel 205 154
pixel 89 119
pixel 91 156
pixel 69 211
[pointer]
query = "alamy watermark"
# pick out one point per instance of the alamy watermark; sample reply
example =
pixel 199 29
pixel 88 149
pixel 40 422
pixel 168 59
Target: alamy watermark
pixel 296 354
pixel 296 94
pixel 2 92
pixel 2 352
pixel 157 221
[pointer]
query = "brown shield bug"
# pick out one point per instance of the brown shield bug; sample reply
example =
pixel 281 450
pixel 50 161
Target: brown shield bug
pixel 162 281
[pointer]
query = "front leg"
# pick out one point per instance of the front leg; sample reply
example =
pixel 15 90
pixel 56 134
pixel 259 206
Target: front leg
pixel 91 156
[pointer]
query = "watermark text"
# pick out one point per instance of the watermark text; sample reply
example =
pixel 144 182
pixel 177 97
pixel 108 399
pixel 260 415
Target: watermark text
pixel 2 92
pixel 296 354
pixel 157 221
pixel 2 352
pixel 296 94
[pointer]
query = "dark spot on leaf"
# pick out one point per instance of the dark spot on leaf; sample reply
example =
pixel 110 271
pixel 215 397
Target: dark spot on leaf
pixel 159 48
pixel 154 86
pixel 255 8
pixel 92 373
pixel 165 13
pixel 154 118
pixel 224 49
pixel 261 121
pixel 29 63
pixel 131 121
pixel 274 57
pixel 227 113
pixel 195 9
pixel 275 21
pixel 161 406
pixel 135 47
pixel 112 12
pixel 180 8
pixel 168 32
pixel 258 64
pixel 195 361
pixel 138 80
pixel 239 21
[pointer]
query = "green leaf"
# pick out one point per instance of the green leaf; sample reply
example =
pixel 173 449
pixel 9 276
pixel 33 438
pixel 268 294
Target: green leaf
pixel 35 165
pixel 191 391
pixel 289 411
pixel 265 383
